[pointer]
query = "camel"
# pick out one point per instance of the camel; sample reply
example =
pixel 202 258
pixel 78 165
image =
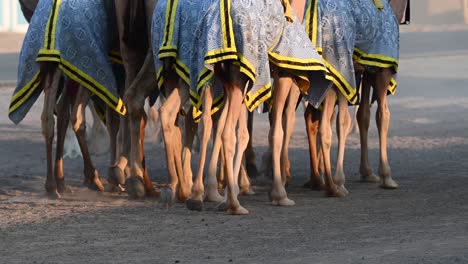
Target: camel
pixel 376 73
pixel 56 73
pixel 236 77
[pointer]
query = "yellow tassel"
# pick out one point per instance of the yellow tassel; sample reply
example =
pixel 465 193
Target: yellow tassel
pixel 287 11
pixel 379 4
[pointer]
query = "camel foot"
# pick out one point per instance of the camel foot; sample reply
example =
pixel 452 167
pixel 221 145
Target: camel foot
pixel 343 189
pixel 285 201
pixel 116 176
pixel 62 188
pixel 54 194
pixel 167 197
pixel 94 183
pixel 247 191
pixel 314 184
pixel 153 192
pixel 214 196
pixel 239 210
pixel 194 205
pixel 135 187
pixel 182 195
pixel 335 191
pixel 388 183
pixel 371 178
pixel 252 170
pixel 50 187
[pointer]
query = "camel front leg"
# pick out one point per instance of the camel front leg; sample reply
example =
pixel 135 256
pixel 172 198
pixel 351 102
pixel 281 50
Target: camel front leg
pixel 78 120
pixel 282 86
pixel 312 118
pixel 52 79
pixel 289 121
pixel 198 191
pixel 343 124
pixel 242 141
pixel 190 130
pixel 326 142
pixel 382 117
pixel 363 119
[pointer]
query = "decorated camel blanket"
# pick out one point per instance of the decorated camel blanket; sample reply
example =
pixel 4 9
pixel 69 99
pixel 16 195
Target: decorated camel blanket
pixel 343 30
pixel 253 34
pixel 74 34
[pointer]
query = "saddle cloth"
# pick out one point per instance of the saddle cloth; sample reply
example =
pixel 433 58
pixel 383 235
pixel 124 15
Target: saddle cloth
pixel 252 34
pixel 347 30
pixel 74 34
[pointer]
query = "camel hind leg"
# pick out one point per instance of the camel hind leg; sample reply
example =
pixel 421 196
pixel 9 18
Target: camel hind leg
pixel 312 119
pixel 343 124
pixel 78 120
pixel 363 119
pixel 52 79
pixel 63 119
pixel 382 117
pixel 251 166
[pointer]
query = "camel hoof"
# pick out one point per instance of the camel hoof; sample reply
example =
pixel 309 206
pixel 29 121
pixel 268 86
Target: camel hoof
pixel 247 191
pixel 283 202
pixel 335 191
pixel 388 184
pixel 313 185
pixel 252 170
pixel 54 195
pixel 50 188
pixel 135 187
pixel 214 197
pixel 238 211
pixel 116 176
pixel 167 197
pixel 372 178
pixel 223 207
pixel 343 189
pixel 194 205
pixel 95 184
pixel 62 188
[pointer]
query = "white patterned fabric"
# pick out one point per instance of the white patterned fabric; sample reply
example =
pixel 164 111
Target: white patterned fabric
pixel 198 34
pixel 343 29
pixel 73 34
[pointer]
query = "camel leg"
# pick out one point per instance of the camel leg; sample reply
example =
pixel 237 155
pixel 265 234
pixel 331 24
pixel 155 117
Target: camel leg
pixel 325 131
pixel 52 79
pixel 289 120
pixel 113 124
pixel 198 191
pixel 382 118
pixel 212 193
pixel 190 129
pixel 280 94
pixel 168 115
pixel 63 118
pixel 251 166
pixel 363 119
pixel 312 118
pixel 78 120
pixel 242 141
pixel 343 124
pixel 234 92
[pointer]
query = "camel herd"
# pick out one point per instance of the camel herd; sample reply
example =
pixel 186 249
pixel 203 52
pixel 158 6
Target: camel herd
pixel 211 63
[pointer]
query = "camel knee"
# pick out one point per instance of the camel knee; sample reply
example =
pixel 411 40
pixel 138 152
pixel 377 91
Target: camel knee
pixel 326 137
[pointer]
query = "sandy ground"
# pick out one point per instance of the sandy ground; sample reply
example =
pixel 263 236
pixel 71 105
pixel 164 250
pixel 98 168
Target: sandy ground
pixel 422 222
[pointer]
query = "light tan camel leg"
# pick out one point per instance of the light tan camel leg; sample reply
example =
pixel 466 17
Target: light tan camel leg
pixel 172 138
pixel 343 124
pixel 363 118
pixel 312 119
pixel 242 141
pixel 63 118
pixel 234 92
pixel 244 182
pixel 211 182
pixel 78 120
pixel 52 79
pixel 289 120
pixel 382 118
pixel 251 166
pixel 326 142
pixel 280 94
pixel 198 190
